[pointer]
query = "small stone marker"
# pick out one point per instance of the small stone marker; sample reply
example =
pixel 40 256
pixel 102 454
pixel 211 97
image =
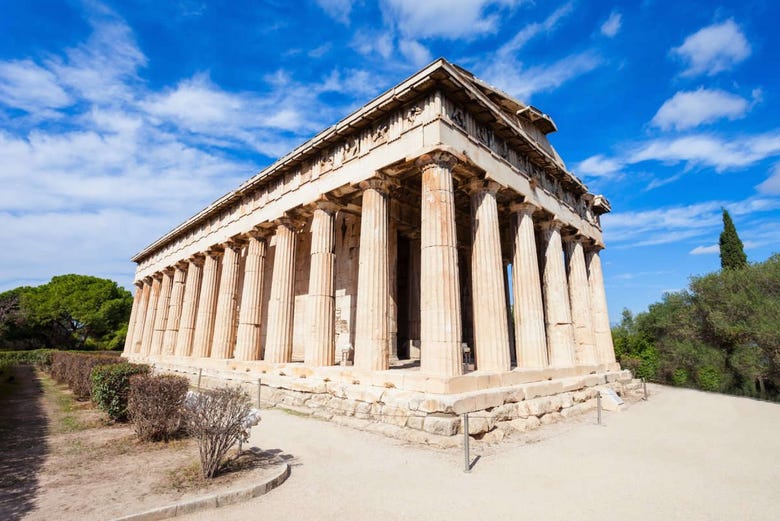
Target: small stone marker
pixel 610 400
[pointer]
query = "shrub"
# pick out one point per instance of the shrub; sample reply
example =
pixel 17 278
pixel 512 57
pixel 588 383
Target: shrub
pixel 111 387
pixel 40 358
pixel 75 370
pixel 156 405
pixel 709 378
pixel 680 377
pixel 217 419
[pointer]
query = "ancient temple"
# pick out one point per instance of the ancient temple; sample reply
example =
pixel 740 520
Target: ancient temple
pixel 432 242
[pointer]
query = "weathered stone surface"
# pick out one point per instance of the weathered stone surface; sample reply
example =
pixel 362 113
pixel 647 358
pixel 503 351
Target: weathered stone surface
pixel 441 425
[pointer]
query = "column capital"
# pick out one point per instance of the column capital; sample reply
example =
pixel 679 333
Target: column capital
pixel 215 251
pixel 290 221
pixel 525 208
pixel 573 235
pixel 234 243
pixel 380 182
pixel 551 224
pixel 594 246
pixel 168 270
pixel 138 283
pixel 197 259
pixel 441 158
pixel 181 265
pixel 326 204
pixel 482 185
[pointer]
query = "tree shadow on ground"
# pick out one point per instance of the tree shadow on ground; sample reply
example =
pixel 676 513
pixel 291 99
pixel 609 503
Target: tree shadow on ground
pixel 23 431
pixel 257 458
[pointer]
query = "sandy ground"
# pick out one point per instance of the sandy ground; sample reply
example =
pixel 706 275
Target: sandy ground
pixel 681 455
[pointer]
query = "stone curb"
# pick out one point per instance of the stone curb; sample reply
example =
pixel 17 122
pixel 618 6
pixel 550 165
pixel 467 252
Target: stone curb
pixel 211 500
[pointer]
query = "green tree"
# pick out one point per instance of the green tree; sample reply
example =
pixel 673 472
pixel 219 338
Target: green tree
pixel 78 311
pixel 732 253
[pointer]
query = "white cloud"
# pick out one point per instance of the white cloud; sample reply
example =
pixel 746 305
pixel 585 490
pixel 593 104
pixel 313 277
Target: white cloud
pixel 612 25
pixel 679 223
pixel 708 150
pixel 30 87
pixel 535 29
pixel 688 109
pixel 598 166
pixel 771 185
pixel 445 18
pixel 705 250
pixel 369 43
pixel 713 49
pixel 415 52
pixel 339 10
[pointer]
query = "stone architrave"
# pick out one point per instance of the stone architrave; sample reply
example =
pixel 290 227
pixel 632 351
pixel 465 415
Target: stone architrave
pixel 151 312
pixel 579 296
pixel 133 314
pixel 491 333
pixel 560 336
pixel 207 305
pixel 189 307
pixel 140 319
pixel 161 312
pixel 320 344
pixel 371 334
pixel 440 319
pixel 174 310
pixel 227 303
pixel 605 350
pixel 282 302
pixel 530 336
pixel 250 315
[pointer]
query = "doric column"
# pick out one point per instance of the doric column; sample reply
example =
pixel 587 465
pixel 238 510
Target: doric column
pixel 320 343
pixel 250 317
pixel 174 310
pixel 140 319
pixel 560 337
pixel 579 297
pixel 440 327
pixel 605 350
pixel 414 288
pixel 207 306
pixel 491 333
pixel 227 303
pixel 189 307
pixel 133 315
pixel 151 312
pixel 281 305
pixel 371 333
pixel 161 312
pixel 530 336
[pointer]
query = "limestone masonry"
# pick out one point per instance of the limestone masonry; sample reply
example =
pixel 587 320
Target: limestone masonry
pixel 366 273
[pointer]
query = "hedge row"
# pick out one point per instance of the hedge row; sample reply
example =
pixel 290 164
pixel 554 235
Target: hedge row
pixel 111 387
pixel 75 370
pixel 37 357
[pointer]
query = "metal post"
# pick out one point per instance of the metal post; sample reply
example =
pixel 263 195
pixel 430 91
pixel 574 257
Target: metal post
pixel 466 442
pixel 598 406
pixel 644 386
pixel 259 384
pixel 200 373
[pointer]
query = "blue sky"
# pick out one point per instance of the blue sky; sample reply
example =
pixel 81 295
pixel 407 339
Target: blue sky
pixel 118 120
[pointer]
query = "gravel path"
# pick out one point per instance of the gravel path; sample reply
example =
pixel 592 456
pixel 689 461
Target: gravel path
pixel 682 455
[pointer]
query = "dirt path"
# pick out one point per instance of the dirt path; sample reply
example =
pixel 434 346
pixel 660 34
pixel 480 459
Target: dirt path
pixel 23 446
pixel 682 455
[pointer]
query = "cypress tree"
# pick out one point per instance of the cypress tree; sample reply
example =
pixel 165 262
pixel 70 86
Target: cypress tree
pixel 732 253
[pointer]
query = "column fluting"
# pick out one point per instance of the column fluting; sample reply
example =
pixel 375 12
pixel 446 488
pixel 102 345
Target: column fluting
pixel 560 336
pixel 227 303
pixel 320 346
pixel 579 297
pixel 189 308
pixel 605 349
pixel 161 312
pixel 250 315
pixel 491 332
pixel 440 318
pixel 371 332
pixel 140 319
pixel 174 310
pixel 282 301
pixel 530 336
pixel 151 312
pixel 133 316
pixel 207 305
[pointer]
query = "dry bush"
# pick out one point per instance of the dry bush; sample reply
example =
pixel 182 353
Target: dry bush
pixel 217 419
pixel 75 369
pixel 155 405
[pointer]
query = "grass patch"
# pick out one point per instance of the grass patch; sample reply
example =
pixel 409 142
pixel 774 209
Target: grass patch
pixel 184 478
pixel 68 415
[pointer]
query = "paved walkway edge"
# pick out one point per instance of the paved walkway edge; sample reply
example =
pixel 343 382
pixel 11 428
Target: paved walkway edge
pixel 212 500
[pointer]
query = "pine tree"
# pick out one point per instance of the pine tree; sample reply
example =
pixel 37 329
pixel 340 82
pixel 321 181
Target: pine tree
pixel 732 253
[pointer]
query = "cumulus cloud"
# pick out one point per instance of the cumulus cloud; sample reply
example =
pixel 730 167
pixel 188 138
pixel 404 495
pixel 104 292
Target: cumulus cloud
pixel 599 166
pixel 415 52
pixel 612 25
pixel 444 18
pixel 339 10
pixel 771 186
pixel 688 109
pixel 28 86
pixel 713 49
